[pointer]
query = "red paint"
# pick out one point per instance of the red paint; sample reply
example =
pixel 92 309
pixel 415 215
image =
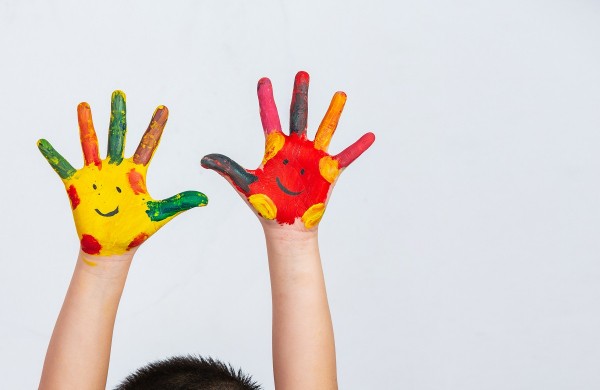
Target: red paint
pixel 300 154
pixel 90 245
pixel 136 181
pixel 138 240
pixel 73 197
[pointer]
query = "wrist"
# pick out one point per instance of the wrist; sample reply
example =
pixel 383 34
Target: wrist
pixel 106 267
pixel 295 233
pixel 289 246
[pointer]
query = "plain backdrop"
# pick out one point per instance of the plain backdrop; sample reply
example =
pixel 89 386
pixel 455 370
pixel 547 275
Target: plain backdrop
pixel 461 251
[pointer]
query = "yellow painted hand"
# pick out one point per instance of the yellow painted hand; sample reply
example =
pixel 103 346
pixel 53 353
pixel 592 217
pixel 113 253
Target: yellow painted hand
pixel 112 209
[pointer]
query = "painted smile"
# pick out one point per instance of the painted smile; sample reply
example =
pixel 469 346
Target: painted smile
pixel 282 188
pixel 109 214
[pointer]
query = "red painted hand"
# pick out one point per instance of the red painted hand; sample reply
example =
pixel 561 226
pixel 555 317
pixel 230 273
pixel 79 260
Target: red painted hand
pixel 296 175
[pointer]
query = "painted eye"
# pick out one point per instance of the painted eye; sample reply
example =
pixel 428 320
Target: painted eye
pixel 285 161
pixel 118 190
pixel 94 186
pixel 302 171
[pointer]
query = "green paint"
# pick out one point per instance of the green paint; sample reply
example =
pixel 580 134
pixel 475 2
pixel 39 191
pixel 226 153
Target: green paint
pixel 57 162
pixel 162 209
pixel 117 128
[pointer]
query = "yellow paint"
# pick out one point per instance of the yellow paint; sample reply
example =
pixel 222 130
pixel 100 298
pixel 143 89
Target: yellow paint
pixel 264 205
pixel 273 144
pixel 313 215
pixel 88 262
pixel 329 168
pixel 116 232
pixel 330 121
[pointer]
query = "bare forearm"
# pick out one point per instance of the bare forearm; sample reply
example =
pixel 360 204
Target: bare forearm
pixel 79 350
pixel 303 342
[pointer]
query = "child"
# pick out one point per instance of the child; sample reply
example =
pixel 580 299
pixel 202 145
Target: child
pixel 288 192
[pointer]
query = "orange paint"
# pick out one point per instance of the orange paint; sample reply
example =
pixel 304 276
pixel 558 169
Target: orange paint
pixel 138 240
pixel 87 134
pixel 136 181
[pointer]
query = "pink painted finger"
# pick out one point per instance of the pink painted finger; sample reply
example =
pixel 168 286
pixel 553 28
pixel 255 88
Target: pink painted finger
pixel 352 152
pixel 268 110
pixel 87 134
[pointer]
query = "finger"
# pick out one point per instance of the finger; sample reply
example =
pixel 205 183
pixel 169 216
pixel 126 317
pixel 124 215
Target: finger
pixel 330 121
pixel 163 209
pixel 56 161
pixel 151 138
pixel 299 106
pixel 351 153
pixel 231 170
pixel 117 128
pixel 268 110
pixel 87 135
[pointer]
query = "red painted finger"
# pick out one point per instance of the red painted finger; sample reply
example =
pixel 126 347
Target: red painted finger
pixel 87 135
pixel 352 152
pixel 268 110
pixel 151 138
pixel 299 106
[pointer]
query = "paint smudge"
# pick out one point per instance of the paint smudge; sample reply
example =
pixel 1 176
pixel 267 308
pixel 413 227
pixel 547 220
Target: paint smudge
pixel 73 197
pixel 89 262
pixel 136 181
pixel 90 245
pixel 138 240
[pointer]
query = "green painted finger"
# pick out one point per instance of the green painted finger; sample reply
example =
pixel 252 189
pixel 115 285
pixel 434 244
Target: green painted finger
pixel 117 128
pixel 56 161
pixel 162 209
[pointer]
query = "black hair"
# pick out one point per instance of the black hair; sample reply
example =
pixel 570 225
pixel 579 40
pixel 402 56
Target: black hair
pixel 188 373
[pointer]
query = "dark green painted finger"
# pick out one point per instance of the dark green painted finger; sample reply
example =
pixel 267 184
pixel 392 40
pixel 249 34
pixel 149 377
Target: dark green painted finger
pixel 230 169
pixel 56 161
pixel 299 106
pixel 162 209
pixel 117 128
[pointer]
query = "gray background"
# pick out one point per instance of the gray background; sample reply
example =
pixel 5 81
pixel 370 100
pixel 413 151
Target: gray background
pixel 461 251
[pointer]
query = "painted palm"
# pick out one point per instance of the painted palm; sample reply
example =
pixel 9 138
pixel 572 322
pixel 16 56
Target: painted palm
pixel 112 209
pixel 295 177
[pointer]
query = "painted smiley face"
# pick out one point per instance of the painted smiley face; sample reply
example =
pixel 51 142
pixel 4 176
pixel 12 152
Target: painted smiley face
pixel 108 201
pixel 292 179
pixel 110 213
pixel 283 187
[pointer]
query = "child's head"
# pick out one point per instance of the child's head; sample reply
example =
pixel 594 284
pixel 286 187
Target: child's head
pixel 188 372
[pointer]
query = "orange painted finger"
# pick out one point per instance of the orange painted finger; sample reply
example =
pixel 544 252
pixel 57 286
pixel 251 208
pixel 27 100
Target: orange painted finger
pixel 151 138
pixel 87 134
pixel 352 152
pixel 330 121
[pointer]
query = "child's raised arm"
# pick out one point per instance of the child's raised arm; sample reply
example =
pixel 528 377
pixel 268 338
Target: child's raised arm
pixel 113 214
pixel 289 192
